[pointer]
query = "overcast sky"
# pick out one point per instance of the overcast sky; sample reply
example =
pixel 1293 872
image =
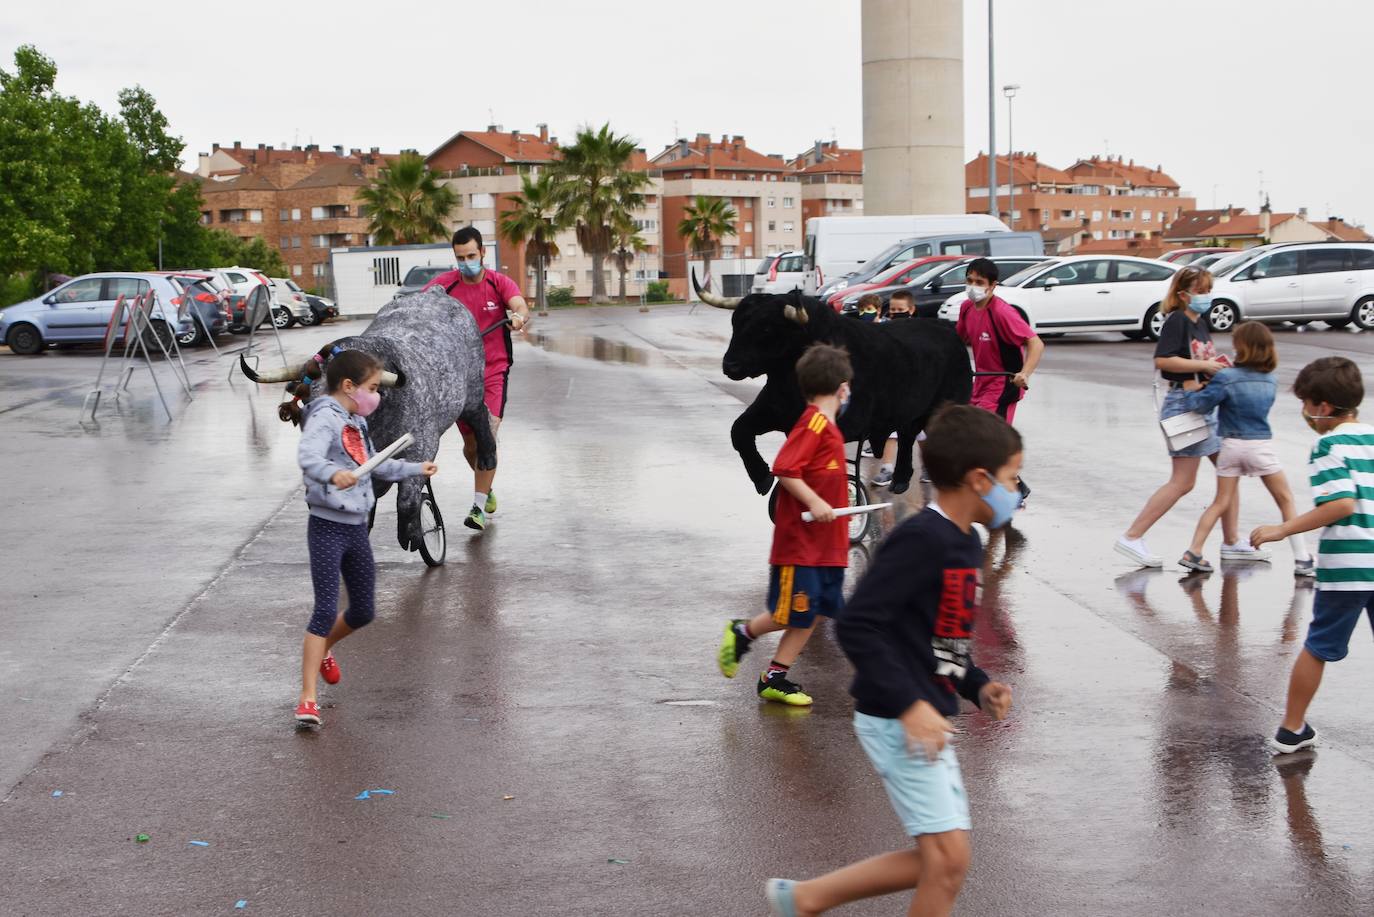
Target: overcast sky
pixel 1215 92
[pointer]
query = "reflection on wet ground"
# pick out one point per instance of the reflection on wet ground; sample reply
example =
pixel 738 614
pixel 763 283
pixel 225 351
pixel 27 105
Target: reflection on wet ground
pixel 594 347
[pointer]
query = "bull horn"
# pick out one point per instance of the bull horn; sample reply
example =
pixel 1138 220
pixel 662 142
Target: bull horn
pixel 796 314
pixel 274 375
pixel 392 380
pixel 711 299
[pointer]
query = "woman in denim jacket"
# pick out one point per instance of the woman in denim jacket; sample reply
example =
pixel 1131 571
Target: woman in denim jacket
pixel 1244 394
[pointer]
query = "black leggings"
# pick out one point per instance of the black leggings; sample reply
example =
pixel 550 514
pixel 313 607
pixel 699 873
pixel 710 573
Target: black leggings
pixel 338 548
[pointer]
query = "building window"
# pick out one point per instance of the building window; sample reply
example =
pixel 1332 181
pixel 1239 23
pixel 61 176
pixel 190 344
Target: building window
pixel 788 226
pixel 1161 216
pixel 481 200
pixel 386 272
pixel 1068 215
pixel 285 242
pixel 772 249
pixel 1146 215
pixel 1128 215
pixel 789 202
pixel 320 241
pixel 772 202
pixel 283 215
pixel 321 270
pixel 206 217
pixel 295 270
pixel 319 213
pixel 772 225
pixel 749 227
pixel 727 251
pixel 295 241
pixel 255 216
pixel 1097 234
pixel 296 214
pixel 591 276
pixel 1097 216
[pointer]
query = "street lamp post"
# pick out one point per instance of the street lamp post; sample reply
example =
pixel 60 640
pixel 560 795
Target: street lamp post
pixel 1010 91
pixel 992 124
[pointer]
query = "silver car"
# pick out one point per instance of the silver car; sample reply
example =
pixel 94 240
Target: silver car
pixel 79 311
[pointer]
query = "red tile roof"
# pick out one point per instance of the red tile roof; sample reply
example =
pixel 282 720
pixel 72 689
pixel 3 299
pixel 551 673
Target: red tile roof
pixel 335 174
pixel 1340 229
pixel 730 153
pixel 1245 226
pixel 514 146
pixel 1029 171
pixel 1191 224
pixel 833 159
pixel 1115 170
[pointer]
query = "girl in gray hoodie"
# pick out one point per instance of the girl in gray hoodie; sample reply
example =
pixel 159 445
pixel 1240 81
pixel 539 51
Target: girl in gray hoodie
pixel 334 442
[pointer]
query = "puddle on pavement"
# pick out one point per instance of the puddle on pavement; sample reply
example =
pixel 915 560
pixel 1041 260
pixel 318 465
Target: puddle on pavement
pixel 595 347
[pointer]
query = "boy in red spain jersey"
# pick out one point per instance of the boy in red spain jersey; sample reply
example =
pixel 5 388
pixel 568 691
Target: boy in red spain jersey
pixel 808 558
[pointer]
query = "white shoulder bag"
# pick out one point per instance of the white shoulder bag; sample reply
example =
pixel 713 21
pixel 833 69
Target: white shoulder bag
pixel 1182 430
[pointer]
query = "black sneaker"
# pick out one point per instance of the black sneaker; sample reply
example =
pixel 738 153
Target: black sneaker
pixel 1285 742
pixel 776 687
pixel 733 646
pixel 1024 490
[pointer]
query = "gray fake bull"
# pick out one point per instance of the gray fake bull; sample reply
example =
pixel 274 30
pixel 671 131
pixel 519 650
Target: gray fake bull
pixel 431 351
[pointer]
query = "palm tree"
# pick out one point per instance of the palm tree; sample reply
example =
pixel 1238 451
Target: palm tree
pixel 534 221
pixel 628 244
pixel 706 221
pixel 596 182
pixel 406 204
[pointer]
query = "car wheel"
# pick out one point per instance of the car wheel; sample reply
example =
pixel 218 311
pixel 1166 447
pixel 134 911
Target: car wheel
pixel 1153 323
pixel 193 338
pixel 1363 313
pixel 282 318
pixel 25 340
pixel 1223 316
pixel 160 331
pixel 313 319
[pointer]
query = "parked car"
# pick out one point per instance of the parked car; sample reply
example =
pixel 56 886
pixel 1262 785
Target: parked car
pixel 934 287
pixel 324 309
pixel 965 243
pixel 241 279
pixel 79 311
pixel 1298 282
pixel 417 277
pixel 780 273
pixel 1210 260
pixel 210 309
pixel 1182 256
pixel 288 303
pixel 249 310
pixel 847 300
pixel 1087 293
pixel 837 247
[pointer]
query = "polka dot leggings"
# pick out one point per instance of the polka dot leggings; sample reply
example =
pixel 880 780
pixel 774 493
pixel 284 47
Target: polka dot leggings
pixel 338 548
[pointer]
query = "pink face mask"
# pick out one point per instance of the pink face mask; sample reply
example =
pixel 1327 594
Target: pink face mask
pixel 366 401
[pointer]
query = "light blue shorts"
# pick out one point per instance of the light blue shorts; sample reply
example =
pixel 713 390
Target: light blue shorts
pixel 928 796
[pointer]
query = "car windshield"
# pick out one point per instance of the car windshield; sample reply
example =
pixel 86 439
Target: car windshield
pixel 291 285
pixel 765 264
pixel 1021 276
pixel 1228 265
pixel 417 276
pixel 928 273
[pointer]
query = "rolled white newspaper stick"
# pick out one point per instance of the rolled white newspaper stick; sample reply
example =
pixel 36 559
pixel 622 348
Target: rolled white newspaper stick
pixel 849 511
pixel 368 466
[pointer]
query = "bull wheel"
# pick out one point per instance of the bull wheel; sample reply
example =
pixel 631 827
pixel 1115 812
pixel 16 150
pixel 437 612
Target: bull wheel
pixel 433 540
pixel 859 523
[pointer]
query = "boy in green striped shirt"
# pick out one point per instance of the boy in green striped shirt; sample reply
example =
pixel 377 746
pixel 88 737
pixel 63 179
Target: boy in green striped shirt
pixel 1341 469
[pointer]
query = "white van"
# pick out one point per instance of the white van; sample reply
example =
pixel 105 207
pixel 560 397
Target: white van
pixel 835 246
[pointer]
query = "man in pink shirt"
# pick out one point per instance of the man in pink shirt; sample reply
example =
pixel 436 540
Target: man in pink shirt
pixel 488 295
pixel 1001 341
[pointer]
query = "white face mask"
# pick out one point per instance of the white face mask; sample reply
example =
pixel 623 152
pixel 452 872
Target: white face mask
pixel 977 294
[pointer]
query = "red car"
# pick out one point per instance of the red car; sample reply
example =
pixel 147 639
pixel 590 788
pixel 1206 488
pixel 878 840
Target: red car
pixel 893 276
pixel 1182 256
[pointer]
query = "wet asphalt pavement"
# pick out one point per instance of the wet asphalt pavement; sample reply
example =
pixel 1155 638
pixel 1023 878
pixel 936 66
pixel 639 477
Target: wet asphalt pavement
pixel 546 706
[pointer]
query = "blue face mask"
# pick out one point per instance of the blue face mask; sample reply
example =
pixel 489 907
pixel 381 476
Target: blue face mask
pixel 1201 303
pixel 1004 503
pixel 470 269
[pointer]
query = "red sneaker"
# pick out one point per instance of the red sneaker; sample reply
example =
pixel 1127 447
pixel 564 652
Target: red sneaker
pixel 329 670
pixel 308 712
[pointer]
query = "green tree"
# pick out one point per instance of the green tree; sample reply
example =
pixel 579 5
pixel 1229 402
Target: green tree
pixel 705 222
pixel 534 221
pixel 628 244
pixel 406 204
pixel 596 183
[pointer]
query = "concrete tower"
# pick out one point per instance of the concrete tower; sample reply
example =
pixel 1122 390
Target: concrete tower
pixel 913 74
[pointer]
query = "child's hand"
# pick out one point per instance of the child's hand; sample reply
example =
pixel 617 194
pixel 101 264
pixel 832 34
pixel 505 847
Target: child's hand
pixel 995 699
pixel 926 730
pixel 1210 367
pixel 429 469
pixel 821 511
pixel 1265 534
pixel 343 479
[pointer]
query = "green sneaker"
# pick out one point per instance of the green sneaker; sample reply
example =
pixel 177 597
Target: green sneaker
pixel 777 688
pixel 491 503
pixel 733 646
pixel 476 519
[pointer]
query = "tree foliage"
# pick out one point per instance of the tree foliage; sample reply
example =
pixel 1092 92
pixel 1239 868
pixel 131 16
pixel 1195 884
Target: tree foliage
pixel 534 221
pixel 407 204
pixel 705 222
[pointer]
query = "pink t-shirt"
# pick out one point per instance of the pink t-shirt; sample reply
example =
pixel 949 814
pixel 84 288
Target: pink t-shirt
pixel 987 332
pixel 486 300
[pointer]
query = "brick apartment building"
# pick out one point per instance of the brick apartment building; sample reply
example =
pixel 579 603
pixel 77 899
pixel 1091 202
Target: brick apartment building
pixel 485 169
pixel 765 193
pixel 832 181
pixel 1098 198
pixel 302 200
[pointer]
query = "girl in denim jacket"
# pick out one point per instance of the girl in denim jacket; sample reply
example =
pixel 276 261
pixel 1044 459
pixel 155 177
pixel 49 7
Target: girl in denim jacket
pixel 1244 394
pixel 334 442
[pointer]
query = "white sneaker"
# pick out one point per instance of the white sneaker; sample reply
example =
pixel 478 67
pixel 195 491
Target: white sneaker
pixel 1243 552
pixel 1305 567
pixel 1138 552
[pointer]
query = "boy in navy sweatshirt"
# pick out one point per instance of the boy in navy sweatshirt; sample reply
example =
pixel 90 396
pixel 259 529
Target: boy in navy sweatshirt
pixel 908 631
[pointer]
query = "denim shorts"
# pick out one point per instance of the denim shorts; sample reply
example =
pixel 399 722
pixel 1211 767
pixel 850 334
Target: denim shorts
pixel 1334 616
pixel 928 796
pixel 1172 406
